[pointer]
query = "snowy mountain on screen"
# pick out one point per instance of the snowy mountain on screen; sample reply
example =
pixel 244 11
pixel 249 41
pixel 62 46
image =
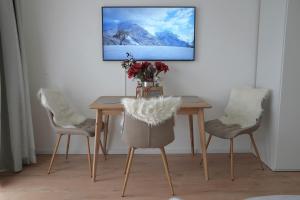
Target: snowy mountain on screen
pixel 170 39
pixel 129 33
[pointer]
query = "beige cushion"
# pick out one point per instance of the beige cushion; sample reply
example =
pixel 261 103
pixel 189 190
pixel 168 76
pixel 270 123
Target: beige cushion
pixel 85 128
pixel 88 126
pixel 226 131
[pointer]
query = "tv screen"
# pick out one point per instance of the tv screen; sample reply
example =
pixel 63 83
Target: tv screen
pixel 148 33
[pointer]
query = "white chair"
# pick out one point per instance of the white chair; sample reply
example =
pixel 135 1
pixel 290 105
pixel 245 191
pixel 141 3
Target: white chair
pixel 242 116
pixel 149 124
pixel 64 121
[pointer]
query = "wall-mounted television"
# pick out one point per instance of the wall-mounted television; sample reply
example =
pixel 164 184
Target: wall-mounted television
pixel 148 33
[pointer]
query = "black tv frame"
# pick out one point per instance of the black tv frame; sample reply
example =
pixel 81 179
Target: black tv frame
pixel 194 7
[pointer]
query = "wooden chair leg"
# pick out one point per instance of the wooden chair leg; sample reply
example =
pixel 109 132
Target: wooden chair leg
pixel 89 154
pixel 231 160
pixel 106 122
pixel 256 151
pixel 68 144
pixel 128 170
pixel 54 152
pixel 208 141
pixel 166 166
pixel 191 134
pixel 127 158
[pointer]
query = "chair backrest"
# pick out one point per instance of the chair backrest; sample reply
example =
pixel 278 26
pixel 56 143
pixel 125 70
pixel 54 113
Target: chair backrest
pixel 49 113
pixel 62 113
pixel 153 110
pixel 148 123
pixel 139 134
pixel 50 117
pixel 245 107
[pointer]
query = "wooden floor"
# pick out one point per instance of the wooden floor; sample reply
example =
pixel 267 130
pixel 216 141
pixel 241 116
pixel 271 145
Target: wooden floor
pixel 70 179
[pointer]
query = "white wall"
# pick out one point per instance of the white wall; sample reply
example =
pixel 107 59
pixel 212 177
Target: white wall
pixel 278 69
pixel 269 68
pixel 289 136
pixel 63 45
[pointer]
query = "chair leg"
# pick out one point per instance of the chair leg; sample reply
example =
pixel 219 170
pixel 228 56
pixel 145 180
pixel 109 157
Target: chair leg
pixel 89 154
pixel 191 134
pixel 68 144
pixel 127 158
pixel 208 141
pixel 256 151
pixel 231 160
pixel 54 152
pixel 128 170
pixel 166 166
pixel 106 122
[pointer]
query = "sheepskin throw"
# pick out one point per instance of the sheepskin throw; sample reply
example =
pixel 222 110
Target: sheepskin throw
pixel 63 114
pixel 244 107
pixel 153 111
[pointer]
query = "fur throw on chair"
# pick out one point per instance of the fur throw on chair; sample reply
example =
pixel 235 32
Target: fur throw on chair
pixel 63 114
pixel 153 111
pixel 244 107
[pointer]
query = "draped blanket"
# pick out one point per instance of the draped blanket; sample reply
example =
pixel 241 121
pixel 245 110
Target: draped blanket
pixel 63 114
pixel 244 107
pixel 153 111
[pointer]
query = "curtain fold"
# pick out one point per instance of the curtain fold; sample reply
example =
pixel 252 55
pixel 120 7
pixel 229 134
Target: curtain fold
pixel 17 138
pixel 6 162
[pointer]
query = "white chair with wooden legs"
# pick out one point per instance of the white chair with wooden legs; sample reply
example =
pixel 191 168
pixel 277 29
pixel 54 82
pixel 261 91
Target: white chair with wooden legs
pixel 86 128
pixel 243 115
pixel 140 133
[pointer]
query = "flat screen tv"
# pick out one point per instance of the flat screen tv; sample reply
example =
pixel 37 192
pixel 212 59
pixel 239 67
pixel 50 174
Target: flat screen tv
pixel 148 33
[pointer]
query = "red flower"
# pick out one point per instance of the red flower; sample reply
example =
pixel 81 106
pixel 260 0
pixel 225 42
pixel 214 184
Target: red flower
pixel 145 65
pixel 136 67
pixel 131 72
pixel 160 66
pixel 143 71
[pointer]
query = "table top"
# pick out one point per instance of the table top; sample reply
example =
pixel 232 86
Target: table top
pixel 114 102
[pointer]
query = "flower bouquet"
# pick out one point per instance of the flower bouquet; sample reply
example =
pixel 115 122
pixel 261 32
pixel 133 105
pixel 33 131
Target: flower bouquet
pixel 145 72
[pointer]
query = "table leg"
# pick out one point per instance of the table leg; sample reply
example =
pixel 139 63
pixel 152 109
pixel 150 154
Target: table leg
pixel 97 137
pixel 106 123
pixel 203 141
pixel 191 134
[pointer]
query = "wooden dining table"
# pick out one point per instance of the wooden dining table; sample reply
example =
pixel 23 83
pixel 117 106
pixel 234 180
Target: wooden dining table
pixel 111 105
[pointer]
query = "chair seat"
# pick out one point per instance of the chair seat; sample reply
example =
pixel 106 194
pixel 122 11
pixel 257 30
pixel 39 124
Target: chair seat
pixel 85 128
pixel 226 131
pixel 88 126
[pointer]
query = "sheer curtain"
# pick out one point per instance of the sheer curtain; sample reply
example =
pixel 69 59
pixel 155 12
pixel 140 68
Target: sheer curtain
pixel 16 137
